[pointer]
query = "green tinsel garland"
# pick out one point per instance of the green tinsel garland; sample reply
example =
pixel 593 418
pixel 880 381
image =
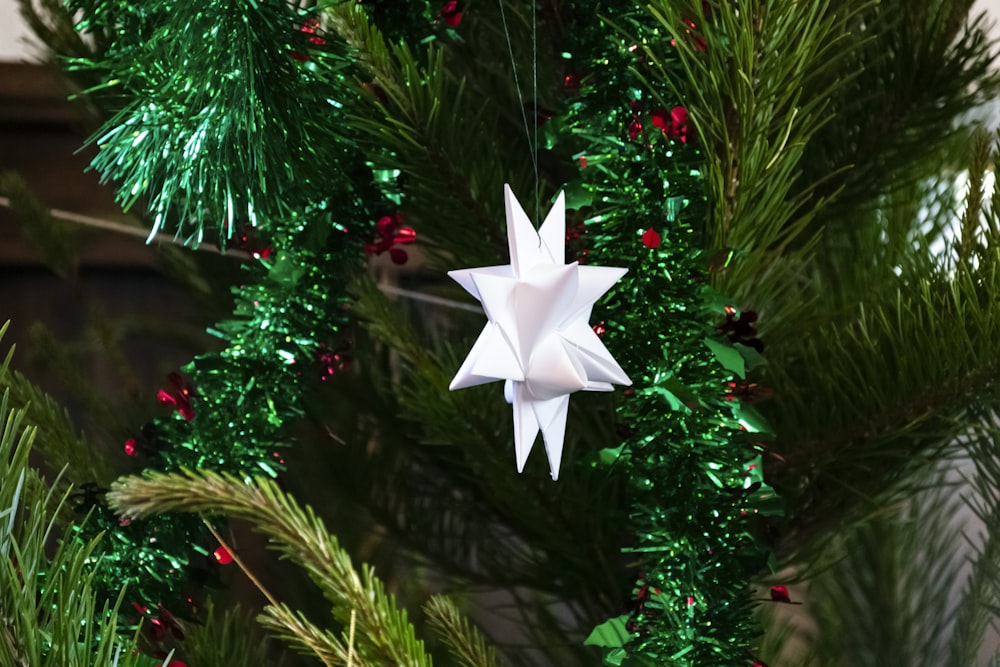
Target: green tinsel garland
pixel 230 111
pixel 274 170
pixel 696 492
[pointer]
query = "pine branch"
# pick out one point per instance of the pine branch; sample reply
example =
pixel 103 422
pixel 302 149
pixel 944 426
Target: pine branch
pixel 977 607
pixel 452 191
pixel 475 457
pixel 923 65
pixel 66 362
pixel 889 408
pixel 52 23
pixel 56 241
pixel 386 322
pixel 90 222
pixel 751 112
pixel 225 639
pixel 464 641
pixel 971 241
pixel 385 635
pixel 306 638
pixel 887 595
pixel 896 374
pixel 59 440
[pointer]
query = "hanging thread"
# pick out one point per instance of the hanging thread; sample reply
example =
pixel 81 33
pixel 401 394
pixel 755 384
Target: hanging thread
pixel 532 138
pixel 534 96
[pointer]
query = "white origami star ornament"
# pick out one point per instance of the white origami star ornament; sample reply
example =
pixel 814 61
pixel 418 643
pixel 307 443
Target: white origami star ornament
pixel 538 337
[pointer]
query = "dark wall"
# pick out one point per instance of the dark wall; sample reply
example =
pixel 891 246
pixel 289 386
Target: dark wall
pixel 122 324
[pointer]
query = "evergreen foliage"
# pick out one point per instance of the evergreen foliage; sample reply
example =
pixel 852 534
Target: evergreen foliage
pixel 50 612
pixel 817 186
pixel 227 638
pixel 384 635
pixel 55 239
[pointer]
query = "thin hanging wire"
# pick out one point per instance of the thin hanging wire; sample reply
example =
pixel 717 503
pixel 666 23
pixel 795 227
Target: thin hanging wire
pixel 532 140
pixel 534 95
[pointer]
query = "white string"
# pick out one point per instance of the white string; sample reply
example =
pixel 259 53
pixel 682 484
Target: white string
pixel 430 298
pixel 532 143
pixel 121 228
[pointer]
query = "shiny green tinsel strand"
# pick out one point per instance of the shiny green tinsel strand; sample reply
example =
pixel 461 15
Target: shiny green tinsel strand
pixel 223 122
pixel 695 485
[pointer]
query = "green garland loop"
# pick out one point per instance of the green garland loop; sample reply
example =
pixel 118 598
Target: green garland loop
pixel 306 208
pixel 696 491
pixel 228 110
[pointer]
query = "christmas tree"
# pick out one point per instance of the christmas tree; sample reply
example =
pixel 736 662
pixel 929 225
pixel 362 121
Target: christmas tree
pixel 755 241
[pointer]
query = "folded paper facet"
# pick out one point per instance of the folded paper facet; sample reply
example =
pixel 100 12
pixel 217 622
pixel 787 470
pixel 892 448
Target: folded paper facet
pixel 538 338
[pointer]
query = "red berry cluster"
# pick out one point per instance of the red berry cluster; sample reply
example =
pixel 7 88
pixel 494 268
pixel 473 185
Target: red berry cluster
pixel 179 395
pixel 391 233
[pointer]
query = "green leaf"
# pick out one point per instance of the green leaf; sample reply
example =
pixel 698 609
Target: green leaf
pixel 728 356
pixel 615 657
pixel 768 503
pixel 286 271
pixel 610 634
pixel 677 394
pixel 752 420
pixel 752 357
pixel 609 455
pixel 577 195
